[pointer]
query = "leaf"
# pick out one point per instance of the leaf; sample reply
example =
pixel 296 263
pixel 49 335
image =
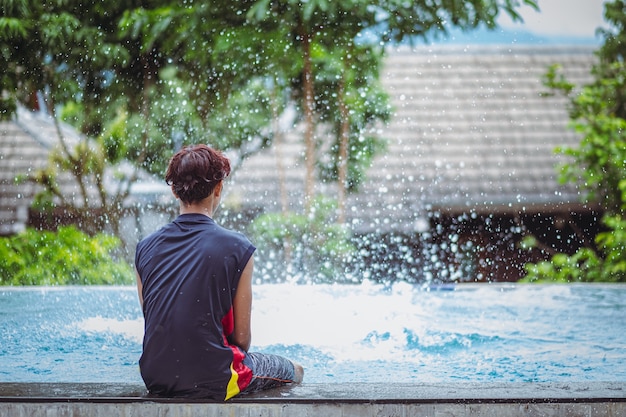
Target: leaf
pixel 11 27
pixel 259 11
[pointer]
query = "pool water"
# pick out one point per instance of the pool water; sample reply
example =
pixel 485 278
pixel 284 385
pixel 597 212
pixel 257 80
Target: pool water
pixel 341 333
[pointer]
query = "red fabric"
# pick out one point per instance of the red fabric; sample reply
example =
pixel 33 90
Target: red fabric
pixel 244 373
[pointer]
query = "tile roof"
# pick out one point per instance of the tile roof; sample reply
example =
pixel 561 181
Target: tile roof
pixel 471 131
pixel 21 153
pixel 25 145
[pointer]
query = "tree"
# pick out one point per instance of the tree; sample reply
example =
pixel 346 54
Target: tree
pixel 63 51
pixel 140 78
pixel 338 89
pixel 598 113
pixel 138 81
pixel 337 25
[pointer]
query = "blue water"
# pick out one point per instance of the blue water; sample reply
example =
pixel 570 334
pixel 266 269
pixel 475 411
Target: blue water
pixel 361 333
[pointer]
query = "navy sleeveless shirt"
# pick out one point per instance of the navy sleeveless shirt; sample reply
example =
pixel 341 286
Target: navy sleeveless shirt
pixel 189 271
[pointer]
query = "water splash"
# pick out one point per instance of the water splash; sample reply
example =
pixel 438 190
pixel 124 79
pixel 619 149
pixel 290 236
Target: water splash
pixel 367 332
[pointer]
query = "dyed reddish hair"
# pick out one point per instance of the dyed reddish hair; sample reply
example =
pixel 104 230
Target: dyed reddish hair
pixel 195 170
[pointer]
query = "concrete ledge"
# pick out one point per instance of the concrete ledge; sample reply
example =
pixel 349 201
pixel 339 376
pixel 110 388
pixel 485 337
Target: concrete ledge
pixel 601 399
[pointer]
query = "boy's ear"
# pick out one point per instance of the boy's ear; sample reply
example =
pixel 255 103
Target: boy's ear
pixel 174 192
pixel 218 189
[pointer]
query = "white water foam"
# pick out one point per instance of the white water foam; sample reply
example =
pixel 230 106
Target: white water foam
pixel 130 329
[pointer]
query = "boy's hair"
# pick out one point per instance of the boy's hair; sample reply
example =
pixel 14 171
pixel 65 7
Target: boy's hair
pixel 194 171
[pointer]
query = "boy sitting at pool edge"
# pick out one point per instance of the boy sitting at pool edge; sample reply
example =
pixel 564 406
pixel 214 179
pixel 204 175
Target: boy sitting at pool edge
pixel 194 280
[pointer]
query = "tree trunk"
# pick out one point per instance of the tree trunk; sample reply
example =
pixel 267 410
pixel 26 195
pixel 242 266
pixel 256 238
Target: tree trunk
pixel 342 161
pixel 309 139
pixel 282 180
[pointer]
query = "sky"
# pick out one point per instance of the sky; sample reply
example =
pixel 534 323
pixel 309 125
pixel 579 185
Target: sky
pixel 576 18
pixel 557 21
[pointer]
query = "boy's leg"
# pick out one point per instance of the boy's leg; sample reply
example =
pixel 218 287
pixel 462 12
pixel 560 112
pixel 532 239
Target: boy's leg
pixel 269 371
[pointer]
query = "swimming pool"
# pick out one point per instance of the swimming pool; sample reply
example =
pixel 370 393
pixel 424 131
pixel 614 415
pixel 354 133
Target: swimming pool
pixel 341 333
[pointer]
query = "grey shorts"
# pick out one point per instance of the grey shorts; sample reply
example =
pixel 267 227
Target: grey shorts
pixel 268 371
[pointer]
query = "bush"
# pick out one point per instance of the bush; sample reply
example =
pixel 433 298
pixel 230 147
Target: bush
pixel 65 257
pixel 313 248
pixel 598 114
pixel 607 264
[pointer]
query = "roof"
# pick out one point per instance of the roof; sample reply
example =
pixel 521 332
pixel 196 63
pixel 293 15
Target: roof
pixel 20 154
pixel 471 132
pixel 25 145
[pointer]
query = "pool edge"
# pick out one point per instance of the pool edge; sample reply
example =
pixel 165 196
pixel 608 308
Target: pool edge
pixel 466 392
pixel 470 399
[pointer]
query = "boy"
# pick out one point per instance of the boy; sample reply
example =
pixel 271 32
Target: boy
pixel 194 280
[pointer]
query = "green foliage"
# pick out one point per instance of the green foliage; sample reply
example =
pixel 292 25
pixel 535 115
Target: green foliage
pixel 598 114
pixel 345 69
pixel 598 163
pixel 608 264
pixel 140 79
pixel 599 159
pixel 393 20
pixel 314 245
pixel 356 74
pixel 65 257
pixel 243 119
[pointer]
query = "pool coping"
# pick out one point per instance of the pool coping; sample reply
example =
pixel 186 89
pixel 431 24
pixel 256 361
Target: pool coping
pixel 345 393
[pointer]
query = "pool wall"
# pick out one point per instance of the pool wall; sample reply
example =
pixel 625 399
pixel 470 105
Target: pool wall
pixel 593 399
